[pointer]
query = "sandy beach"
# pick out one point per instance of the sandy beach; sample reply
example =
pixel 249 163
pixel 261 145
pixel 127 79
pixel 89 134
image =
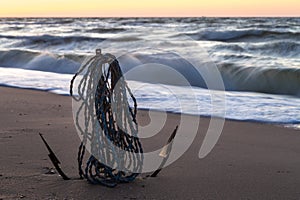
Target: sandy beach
pixel 250 160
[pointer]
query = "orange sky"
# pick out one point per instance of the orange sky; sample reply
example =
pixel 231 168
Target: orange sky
pixel 148 8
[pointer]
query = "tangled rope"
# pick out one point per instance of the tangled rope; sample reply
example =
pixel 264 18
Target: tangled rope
pixel 107 123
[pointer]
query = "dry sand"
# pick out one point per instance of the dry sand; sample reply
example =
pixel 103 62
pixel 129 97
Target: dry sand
pixel 250 160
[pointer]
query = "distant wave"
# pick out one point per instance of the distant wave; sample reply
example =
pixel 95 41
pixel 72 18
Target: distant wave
pixel 279 48
pixel 243 35
pixel 105 30
pixel 229 47
pixel 45 41
pixel 37 21
pixel 276 48
pixel 51 39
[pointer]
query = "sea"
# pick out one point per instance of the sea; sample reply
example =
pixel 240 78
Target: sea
pixel 245 69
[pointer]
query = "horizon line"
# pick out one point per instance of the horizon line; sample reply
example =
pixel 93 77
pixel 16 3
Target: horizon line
pixel 250 16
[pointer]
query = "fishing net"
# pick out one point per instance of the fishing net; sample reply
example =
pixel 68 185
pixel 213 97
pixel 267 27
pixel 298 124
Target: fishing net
pixel 106 120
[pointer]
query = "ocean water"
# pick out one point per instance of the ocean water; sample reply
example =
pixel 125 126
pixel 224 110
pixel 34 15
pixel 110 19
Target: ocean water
pixel 257 59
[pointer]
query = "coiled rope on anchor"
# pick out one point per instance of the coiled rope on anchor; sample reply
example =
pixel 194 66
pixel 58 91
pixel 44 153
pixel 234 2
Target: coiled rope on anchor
pixel 109 123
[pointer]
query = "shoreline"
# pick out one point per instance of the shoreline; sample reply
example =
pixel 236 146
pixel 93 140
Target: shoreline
pixel 285 125
pixel 249 161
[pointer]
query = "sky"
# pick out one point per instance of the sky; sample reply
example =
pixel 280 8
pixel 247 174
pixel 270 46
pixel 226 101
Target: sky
pixel 148 8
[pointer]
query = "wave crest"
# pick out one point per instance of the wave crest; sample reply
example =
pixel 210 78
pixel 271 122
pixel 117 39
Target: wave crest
pixel 42 61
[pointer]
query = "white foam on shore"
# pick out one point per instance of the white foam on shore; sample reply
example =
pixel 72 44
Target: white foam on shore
pixel 48 81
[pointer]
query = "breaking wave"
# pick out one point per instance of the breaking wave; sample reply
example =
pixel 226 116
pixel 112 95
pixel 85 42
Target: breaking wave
pixel 255 79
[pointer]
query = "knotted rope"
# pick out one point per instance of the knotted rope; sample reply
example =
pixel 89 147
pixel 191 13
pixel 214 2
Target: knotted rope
pixel 109 124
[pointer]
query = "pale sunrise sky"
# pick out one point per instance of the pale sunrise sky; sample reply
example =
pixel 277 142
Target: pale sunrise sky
pixel 148 8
